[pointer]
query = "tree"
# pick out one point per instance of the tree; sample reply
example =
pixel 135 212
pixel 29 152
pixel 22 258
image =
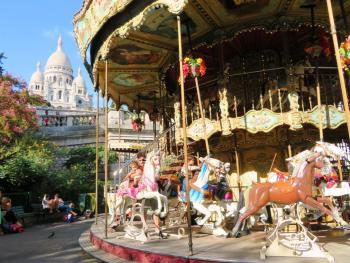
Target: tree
pixel 28 165
pixel 77 174
pixel 17 111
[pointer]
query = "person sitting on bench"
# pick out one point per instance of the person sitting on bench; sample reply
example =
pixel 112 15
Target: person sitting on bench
pixel 11 223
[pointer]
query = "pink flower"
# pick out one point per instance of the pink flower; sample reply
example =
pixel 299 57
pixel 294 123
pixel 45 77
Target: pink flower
pixel 185 70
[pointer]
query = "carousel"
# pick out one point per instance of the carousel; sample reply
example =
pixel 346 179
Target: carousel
pixel 251 162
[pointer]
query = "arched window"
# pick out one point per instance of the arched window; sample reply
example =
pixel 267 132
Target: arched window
pixel 80 91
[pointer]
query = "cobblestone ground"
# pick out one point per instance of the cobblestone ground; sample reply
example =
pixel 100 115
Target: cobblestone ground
pixel 34 245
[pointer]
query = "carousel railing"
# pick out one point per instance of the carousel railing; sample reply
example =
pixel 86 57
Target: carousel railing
pixel 259 101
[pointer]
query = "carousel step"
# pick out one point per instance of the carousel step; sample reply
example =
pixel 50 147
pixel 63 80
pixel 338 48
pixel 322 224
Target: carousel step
pixel 93 251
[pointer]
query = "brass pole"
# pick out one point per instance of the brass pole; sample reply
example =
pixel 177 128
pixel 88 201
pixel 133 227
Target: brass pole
pixel 106 144
pixel 289 151
pixel 202 115
pixel 184 117
pixel 320 123
pixel 340 171
pixel 119 132
pixel 97 122
pixel 238 170
pixel 273 161
pixel 340 71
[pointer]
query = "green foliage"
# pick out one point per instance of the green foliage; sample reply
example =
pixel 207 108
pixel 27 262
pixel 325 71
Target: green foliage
pixel 40 167
pixel 26 163
pixel 79 170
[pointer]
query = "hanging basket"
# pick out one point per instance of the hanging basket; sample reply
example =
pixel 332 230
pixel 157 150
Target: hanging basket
pixel 194 67
pixel 138 124
pixel 344 52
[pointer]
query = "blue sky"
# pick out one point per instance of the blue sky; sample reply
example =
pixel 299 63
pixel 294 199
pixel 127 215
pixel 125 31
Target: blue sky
pixel 29 32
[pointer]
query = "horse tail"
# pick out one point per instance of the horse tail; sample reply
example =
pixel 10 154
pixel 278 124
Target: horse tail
pixel 241 201
pixel 240 206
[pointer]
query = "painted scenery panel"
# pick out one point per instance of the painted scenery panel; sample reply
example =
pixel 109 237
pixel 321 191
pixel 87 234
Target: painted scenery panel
pixel 135 79
pixel 241 9
pixel 161 23
pixel 128 54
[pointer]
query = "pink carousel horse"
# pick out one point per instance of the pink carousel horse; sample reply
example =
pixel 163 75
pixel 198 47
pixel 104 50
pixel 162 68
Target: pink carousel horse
pixel 147 188
pixel 298 189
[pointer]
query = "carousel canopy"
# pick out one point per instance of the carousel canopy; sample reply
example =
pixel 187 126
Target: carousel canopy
pixel 139 39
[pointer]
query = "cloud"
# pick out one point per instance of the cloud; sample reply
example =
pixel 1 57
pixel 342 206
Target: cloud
pixel 52 33
pixel 69 33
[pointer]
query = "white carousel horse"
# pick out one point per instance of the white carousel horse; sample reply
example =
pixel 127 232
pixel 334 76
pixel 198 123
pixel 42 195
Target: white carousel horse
pixel 147 188
pixel 197 198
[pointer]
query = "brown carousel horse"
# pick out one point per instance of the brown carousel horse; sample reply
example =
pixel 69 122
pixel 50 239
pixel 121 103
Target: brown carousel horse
pixel 299 189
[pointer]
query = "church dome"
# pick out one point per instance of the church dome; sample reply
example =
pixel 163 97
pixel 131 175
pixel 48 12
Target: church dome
pixel 79 81
pixel 37 76
pixel 59 58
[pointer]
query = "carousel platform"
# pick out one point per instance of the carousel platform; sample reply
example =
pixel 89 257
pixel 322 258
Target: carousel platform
pixel 206 248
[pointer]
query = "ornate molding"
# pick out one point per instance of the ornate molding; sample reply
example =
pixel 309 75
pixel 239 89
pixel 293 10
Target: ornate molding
pixel 331 117
pixel 91 18
pixel 196 130
pixel 255 121
pixel 265 120
pixel 225 122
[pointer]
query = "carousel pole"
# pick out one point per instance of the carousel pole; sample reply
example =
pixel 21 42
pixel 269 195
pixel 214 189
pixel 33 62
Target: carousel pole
pixel 96 160
pixel 201 112
pixel 339 66
pixel 320 123
pixel 119 135
pixel 106 144
pixel 183 111
pixel 202 115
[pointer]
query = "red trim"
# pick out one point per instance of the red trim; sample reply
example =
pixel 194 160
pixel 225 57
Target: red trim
pixel 139 255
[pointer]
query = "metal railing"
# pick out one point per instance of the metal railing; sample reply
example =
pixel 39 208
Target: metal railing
pixel 169 141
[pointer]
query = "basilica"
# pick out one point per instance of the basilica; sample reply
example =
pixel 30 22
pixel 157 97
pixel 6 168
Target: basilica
pixel 56 83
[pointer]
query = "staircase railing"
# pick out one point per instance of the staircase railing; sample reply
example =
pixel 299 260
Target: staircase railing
pixel 164 142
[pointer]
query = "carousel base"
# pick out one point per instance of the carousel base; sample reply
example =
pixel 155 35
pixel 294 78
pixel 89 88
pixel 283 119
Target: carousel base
pixel 206 248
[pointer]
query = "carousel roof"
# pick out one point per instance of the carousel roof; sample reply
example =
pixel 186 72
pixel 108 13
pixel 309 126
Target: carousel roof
pixel 139 38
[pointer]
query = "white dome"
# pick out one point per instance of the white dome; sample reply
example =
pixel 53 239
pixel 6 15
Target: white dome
pixel 37 76
pixel 79 81
pixel 59 58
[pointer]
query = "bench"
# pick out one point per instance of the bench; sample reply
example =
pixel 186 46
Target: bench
pixel 20 214
pixel 44 214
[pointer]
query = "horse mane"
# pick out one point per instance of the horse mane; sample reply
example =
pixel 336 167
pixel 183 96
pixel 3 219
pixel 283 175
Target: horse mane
pixel 149 169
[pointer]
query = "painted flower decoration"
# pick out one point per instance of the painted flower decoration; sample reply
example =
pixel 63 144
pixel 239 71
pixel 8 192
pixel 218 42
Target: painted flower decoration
pixel 194 67
pixel 138 124
pixel 344 51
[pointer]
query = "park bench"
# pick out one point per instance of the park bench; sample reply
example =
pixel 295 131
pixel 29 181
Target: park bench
pixel 45 215
pixel 20 214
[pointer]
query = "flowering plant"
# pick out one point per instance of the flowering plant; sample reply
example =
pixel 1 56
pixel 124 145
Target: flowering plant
pixel 17 109
pixel 137 124
pixel 344 51
pixel 194 66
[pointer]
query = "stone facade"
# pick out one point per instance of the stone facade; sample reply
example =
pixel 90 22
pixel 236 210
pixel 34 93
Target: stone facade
pixel 56 83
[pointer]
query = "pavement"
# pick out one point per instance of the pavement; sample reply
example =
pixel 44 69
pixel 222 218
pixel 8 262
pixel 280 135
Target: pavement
pixel 35 245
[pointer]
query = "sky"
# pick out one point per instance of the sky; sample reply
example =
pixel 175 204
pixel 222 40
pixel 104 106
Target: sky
pixel 29 33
